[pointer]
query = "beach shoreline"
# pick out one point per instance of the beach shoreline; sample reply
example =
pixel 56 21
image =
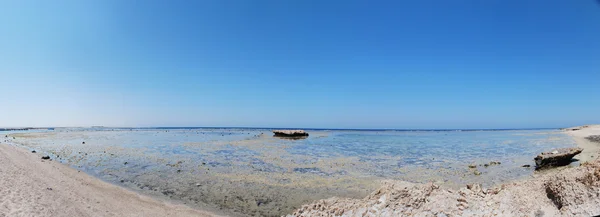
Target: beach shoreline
pixel 30 186
pixel 591 149
pixel 566 191
pixel 44 187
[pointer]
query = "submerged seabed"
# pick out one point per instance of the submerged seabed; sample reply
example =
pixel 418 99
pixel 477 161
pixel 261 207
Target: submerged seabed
pixel 249 172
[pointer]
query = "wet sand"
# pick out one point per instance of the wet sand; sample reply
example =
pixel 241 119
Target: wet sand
pixel 30 186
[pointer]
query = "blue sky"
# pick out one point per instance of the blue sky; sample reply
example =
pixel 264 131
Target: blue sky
pixel 324 64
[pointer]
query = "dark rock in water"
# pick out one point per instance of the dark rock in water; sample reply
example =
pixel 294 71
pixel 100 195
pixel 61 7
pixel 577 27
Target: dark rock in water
pixel 526 165
pixel 558 157
pixel 300 134
pixel 46 157
pixel 593 138
pixel 83 143
pixel 494 163
pixel 125 163
pixel 33 151
pixel 475 187
pixel 292 137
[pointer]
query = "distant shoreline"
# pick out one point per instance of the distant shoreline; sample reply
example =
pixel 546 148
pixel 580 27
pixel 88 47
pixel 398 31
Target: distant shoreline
pixel 281 128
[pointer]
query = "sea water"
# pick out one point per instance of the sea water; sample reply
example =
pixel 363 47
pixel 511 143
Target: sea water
pixel 249 172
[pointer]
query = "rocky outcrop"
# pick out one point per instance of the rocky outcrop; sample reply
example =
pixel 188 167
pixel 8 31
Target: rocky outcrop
pixel 593 138
pixel 290 133
pixel 576 194
pixel 576 128
pixel 558 157
pixel 569 192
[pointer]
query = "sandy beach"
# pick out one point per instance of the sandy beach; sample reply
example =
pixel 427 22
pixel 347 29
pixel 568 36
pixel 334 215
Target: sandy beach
pixel 579 134
pixel 30 186
pixel 34 187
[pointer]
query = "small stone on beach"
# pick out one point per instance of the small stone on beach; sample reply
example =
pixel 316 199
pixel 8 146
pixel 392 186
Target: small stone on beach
pixel 45 157
pixel 33 151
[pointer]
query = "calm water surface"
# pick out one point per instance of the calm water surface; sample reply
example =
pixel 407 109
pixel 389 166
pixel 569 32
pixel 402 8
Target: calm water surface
pixel 248 172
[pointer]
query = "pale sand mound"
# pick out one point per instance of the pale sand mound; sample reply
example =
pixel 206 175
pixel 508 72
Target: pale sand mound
pixel 32 187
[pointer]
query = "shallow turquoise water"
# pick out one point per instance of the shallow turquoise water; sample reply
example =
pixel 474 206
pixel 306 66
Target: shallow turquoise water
pixel 246 161
pixel 383 150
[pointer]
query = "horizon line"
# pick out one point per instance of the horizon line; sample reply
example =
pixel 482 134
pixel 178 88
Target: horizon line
pixel 304 128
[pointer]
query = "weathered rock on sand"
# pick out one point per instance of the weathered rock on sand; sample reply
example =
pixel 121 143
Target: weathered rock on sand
pixel 558 157
pixel 570 192
pixel 576 128
pixel 593 138
pixel 290 133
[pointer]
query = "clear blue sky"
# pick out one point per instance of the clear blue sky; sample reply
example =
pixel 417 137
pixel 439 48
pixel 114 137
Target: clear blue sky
pixel 324 64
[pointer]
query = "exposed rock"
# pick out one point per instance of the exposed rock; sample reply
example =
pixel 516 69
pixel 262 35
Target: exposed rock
pixel 558 157
pixel 575 128
pixel 526 165
pixel 593 138
pixel 477 172
pixel 577 194
pixel 33 151
pixel 472 166
pixel 46 157
pixel 290 133
pixel 569 192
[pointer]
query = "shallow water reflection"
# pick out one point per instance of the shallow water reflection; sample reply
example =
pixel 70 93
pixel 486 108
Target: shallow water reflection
pixel 252 173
